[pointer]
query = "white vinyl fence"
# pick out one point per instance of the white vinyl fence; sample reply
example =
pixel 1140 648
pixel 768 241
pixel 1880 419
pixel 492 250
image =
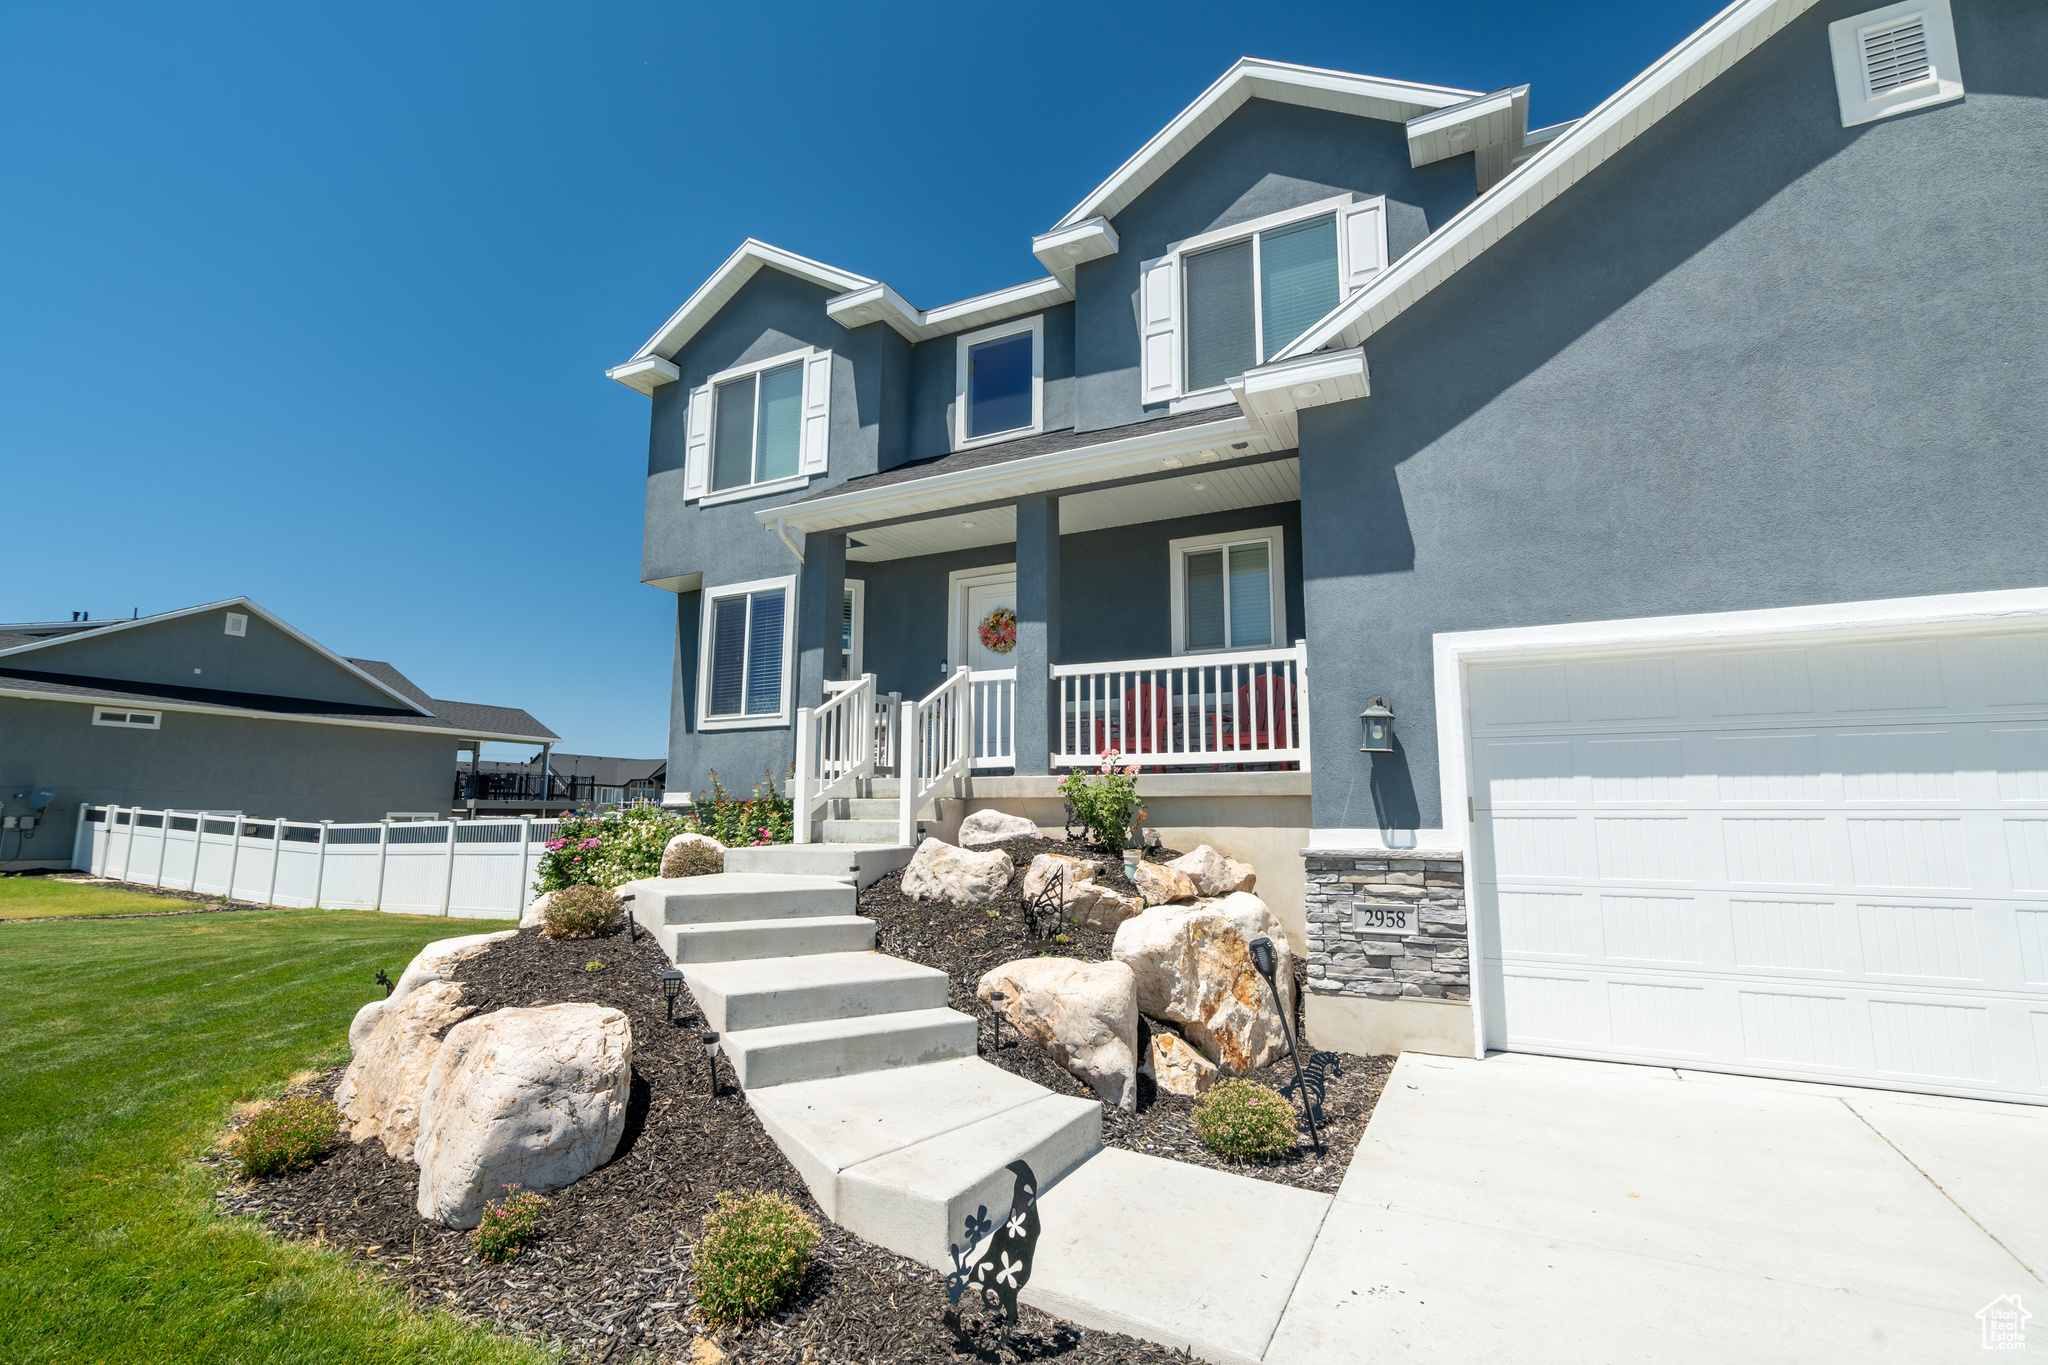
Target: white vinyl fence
pixel 466 869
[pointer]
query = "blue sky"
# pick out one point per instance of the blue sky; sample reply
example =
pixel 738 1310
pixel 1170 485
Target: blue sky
pixel 312 303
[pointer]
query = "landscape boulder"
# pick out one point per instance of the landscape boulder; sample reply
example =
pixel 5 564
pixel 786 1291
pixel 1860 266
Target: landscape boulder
pixel 1178 1069
pixel 536 916
pixel 1084 1013
pixel 673 857
pixel 435 962
pixel 528 1097
pixel 1100 907
pixel 380 1092
pixel 940 872
pixel 1213 873
pixel 1073 872
pixel 985 828
pixel 1193 968
pixel 1161 884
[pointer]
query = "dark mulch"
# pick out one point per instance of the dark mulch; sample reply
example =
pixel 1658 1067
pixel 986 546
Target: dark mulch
pixel 608 1280
pixel 968 942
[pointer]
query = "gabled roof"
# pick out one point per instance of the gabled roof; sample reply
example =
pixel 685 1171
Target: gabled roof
pixel 1562 161
pixel 1252 78
pixel 12 653
pixel 725 281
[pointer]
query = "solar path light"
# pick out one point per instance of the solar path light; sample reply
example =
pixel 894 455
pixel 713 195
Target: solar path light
pixel 671 987
pixel 1267 961
pixel 711 1058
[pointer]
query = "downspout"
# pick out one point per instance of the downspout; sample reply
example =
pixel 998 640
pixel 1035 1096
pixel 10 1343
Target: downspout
pixel 782 531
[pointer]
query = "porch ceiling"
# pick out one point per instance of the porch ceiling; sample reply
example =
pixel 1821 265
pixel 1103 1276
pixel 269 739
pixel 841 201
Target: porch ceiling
pixel 1191 493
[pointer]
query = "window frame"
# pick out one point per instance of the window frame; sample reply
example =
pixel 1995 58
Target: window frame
pixel 966 341
pixel 857 589
pixel 1177 253
pixel 712 497
pixel 127 721
pixel 707 641
pixel 1276 584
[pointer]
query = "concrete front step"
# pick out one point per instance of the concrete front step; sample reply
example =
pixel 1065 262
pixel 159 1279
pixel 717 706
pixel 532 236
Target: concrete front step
pixel 863 864
pixel 727 896
pixel 736 939
pixel 865 808
pixel 765 992
pixel 763 1057
pixel 861 831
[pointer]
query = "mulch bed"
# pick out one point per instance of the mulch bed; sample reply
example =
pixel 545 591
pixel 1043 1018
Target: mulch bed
pixel 607 1280
pixel 966 942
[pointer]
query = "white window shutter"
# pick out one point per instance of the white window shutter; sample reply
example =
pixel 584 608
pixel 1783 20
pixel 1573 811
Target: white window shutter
pixel 697 445
pixel 1365 243
pixel 1159 335
pixel 817 411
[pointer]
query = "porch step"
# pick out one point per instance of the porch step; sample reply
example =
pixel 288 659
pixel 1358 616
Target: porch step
pixel 860 831
pixel 862 864
pixel 865 808
pixel 739 939
pixel 726 896
pixel 765 992
pixel 783 1053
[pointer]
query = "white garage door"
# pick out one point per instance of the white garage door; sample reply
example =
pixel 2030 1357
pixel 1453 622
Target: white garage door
pixel 1824 860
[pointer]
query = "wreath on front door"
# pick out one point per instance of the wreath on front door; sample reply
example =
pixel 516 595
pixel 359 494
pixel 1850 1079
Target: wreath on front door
pixel 998 631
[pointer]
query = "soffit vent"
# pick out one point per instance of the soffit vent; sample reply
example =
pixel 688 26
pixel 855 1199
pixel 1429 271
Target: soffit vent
pixel 1895 56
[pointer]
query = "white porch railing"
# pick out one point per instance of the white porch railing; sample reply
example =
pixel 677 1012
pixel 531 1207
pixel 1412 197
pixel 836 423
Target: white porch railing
pixel 995 717
pixel 938 738
pixel 468 869
pixel 887 704
pixel 1191 711
pixel 835 751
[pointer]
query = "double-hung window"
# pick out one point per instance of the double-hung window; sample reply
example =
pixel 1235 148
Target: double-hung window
pixel 1001 389
pixel 759 427
pixel 1223 302
pixel 745 651
pixel 1227 592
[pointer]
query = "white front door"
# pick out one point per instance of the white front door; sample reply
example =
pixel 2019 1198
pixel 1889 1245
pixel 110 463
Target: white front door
pixel 979 597
pixel 1823 860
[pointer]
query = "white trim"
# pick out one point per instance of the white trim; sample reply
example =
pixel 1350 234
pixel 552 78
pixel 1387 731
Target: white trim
pixel 1248 78
pixel 1202 241
pixel 725 282
pixel 966 342
pixel 154 721
pixel 705 642
pixel 243 713
pixel 1562 162
pixel 644 375
pixel 880 303
pixel 1202 400
pixel 1066 248
pixel 1944 79
pixel 1324 842
pixel 712 496
pixel 957 584
pixel 1276 583
pixel 859 588
pixel 755 490
pixel 245 604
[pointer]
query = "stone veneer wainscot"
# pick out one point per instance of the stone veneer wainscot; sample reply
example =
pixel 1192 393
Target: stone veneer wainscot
pixel 1432 963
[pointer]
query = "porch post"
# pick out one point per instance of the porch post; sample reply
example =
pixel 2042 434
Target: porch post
pixel 1038 630
pixel 821 610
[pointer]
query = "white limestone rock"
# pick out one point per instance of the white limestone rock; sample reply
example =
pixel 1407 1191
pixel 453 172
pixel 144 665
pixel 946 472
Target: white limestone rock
pixel 1162 884
pixel 986 828
pixel 528 1097
pixel 940 872
pixel 380 1092
pixel 1100 907
pixel 536 916
pixel 1194 969
pixel 1178 1069
pixel 1084 1013
pixel 670 851
pixel 435 962
pixel 1073 872
pixel 1213 873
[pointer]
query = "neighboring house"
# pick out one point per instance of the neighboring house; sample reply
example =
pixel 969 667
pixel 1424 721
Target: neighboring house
pixel 551 782
pixel 225 708
pixel 1674 475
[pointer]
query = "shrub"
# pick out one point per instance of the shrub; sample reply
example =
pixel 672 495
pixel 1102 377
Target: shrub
pixel 1241 1120
pixel 508 1225
pixel 766 817
pixel 290 1133
pixel 692 860
pixel 1107 803
pixel 753 1255
pixel 582 912
pixel 608 849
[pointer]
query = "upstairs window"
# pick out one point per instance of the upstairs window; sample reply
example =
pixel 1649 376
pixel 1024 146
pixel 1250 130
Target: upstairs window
pixel 1227 592
pixel 1001 390
pixel 1221 303
pixel 759 427
pixel 745 654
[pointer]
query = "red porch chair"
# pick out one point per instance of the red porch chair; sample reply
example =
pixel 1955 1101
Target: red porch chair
pixel 1259 717
pixel 1147 723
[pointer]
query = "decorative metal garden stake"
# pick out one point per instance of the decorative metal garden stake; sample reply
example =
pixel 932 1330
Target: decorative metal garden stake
pixel 1044 908
pixel 711 1058
pixel 671 987
pixel 1267 960
pixel 1005 1268
pixel 384 980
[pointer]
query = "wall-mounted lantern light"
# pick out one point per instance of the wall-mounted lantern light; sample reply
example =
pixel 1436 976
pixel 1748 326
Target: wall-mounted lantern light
pixel 1378 719
pixel 671 987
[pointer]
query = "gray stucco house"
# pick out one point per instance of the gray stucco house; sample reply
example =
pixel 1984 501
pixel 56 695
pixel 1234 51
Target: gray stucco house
pixel 1673 476
pixel 221 707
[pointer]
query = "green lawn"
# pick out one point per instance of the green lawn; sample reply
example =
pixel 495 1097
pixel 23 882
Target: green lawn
pixel 43 897
pixel 123 1046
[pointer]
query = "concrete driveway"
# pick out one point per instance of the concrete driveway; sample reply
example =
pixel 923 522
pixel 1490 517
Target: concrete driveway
pixel 1536 1209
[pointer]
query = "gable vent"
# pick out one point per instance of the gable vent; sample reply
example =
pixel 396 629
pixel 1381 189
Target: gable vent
pixel 1895 56
pixel 238 624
